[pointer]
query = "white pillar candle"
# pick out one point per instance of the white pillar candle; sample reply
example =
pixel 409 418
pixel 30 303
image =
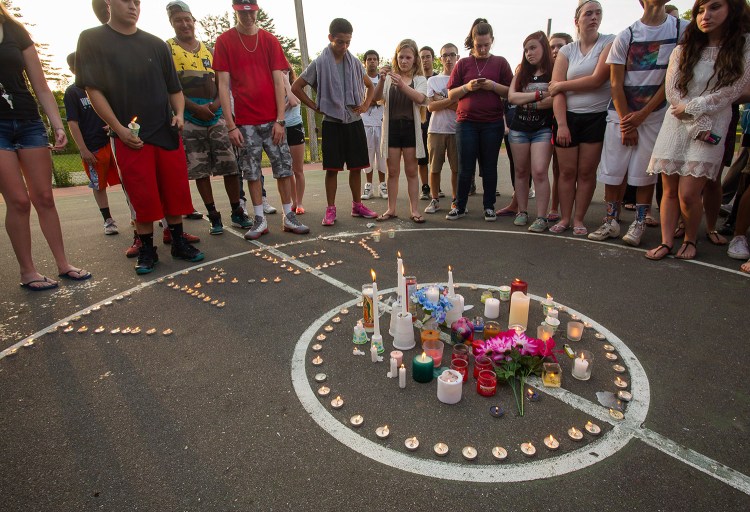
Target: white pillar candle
pixel 374 353
pixel 402 377
pixel 449 387
pixel 433 294
pixel 399 278
pixel 581 368
pixel 394 368
pixel 451 290
pixel 519 309
pixel 375 305
pixel 457 311
pixel 492 308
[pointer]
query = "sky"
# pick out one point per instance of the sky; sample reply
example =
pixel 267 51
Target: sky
pixel 378 24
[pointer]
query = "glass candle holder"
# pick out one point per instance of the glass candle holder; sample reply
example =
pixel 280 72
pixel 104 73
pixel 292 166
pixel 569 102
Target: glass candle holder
pixel 368 321
pixel 582 365
pixel 487 383
pixel 552 375
pixel 491 329
pixel 462 367
pixel 460 351
pixel 504 293
pixel 434 349
pixel 462 331
pixel 575 331
pixel 482 363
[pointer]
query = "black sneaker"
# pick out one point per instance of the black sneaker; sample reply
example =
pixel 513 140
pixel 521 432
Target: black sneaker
pixel 425 192
pixel 196 215
pixel 147 259
pixel 217 227
pixel 187 252
pixel 455 214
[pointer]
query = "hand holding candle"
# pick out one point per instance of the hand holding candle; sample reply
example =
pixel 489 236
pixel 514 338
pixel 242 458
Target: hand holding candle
pixel 134 127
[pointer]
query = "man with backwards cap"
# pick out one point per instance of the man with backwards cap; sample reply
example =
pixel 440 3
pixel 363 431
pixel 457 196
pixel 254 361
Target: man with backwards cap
pixel 209 151
pixel 254 61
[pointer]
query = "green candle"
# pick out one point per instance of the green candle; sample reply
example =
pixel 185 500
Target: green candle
pixel 421 368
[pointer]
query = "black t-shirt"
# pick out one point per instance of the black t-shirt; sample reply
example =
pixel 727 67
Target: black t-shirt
pixel 79 109
pixel 16 102
pixel 526 120
pixel 136 74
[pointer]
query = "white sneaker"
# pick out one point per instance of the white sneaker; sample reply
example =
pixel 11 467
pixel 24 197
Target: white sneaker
pixel 432 207
pixel 383 188
pixel 634 234
pixel 610 229
pixel 267 208
pixel 532 192
pixel 243 204
pixel 738 249
pixel 367 193
pixel 110 228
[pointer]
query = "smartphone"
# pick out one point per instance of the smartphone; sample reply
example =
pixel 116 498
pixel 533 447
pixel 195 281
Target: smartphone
pixel 713 139
pixel 481 79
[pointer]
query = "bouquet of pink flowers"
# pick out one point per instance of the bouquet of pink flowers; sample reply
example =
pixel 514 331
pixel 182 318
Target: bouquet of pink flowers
pixel 516 356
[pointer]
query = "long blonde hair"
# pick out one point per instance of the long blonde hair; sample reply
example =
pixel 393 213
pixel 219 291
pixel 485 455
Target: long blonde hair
pixel 411 45
pixel 6 16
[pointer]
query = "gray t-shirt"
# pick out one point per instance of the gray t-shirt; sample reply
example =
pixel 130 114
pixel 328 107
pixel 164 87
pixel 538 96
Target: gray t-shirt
pixel 310 75
pixel 580 66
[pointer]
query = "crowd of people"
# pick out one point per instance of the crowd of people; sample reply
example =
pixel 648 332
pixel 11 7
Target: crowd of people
pixel 651 108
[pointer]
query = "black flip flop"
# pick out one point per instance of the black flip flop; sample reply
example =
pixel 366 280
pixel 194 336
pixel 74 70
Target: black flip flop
pixel 76 275
pixel 48 286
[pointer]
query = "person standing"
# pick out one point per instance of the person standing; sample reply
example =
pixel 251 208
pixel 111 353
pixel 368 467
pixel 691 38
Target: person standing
pixel 339 80
pixel 253 60
pixel 205 137
pixel 479 83
pixel 25 161
pixel 427 59
pixel 441 136
pixel 131 80
pixel 295 138
pixel 373 121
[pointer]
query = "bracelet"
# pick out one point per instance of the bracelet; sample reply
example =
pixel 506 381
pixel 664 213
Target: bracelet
pixel 233 129
pixel 537 95
pixel 465 89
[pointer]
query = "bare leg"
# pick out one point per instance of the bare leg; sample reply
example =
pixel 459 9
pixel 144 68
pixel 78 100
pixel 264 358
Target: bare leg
pixel 568 160
pixel 355 182
pixel 711 206
pixel 412 179
pixel 540 157
pixel 554 207
pixel 394 170
pixel 669 211
pixel 285 189
pixel 298 162
pixel 331 181
pixel 690 202
pixel 232 187
pixel 588 160
pixel 522 167
pixel 100 196
pixel 204 189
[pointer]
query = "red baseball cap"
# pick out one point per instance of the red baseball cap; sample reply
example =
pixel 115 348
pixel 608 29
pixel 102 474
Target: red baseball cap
pixel 245 5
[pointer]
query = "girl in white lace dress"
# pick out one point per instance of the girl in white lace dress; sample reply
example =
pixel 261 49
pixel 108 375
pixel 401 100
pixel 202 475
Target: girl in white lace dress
pixel 706 74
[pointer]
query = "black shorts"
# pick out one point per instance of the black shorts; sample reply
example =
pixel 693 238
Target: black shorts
pixel 401 134
pixel 426 159
pixel 295 135
pixel 584 128
pixel 344 144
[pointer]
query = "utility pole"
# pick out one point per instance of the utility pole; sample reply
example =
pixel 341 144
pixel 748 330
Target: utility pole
pixel 302 37
pixel 549 26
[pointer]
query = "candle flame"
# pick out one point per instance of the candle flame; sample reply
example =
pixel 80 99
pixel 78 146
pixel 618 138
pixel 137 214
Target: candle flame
pixel 530 392
pixel 338 398
pixel 549 297
pixel 398 253
pixel 517 280
pixel 424 356
pixel 582 358
pixel 134 119
pixel 589 424
pixel 551 439
pixel 372 273
pixel 450 269
pixel 575 431
pixel 402 366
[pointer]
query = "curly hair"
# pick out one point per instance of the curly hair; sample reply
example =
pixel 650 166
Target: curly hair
pixel 730 64
pixel 526 70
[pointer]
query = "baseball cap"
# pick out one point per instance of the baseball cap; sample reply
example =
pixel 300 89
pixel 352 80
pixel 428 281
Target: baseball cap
pixel 176 6
pixel 245 5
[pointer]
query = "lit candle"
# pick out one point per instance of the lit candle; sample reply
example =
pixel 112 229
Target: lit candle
pixel 593 428
pixel 357 420
pixel 551 443
pixel 497 411
pixel 504 293
pixel 618 415
pixel 324 391
pixel 575 434
pixel 382 432
pixel 375 305
pixel 575 331
pixel 374 353
pixel 337 403
pixel 581 370
pixel 411 443
pixel 528 449
pixel 422 368
pixel 519 309
pixel 449 387
pixel 451 290
pixel 441 449
pixel 532 395
pixel 134 127
pixel 492 308
pixel 620 383
pixel 400 287
pixel 433 294
pixel 625 396
pixel 499 453
pixel 469 452
pixel 547 304
pixel 611 356
pixel 317 361
pixel 394 368
pixel 518 286
pixel 402 377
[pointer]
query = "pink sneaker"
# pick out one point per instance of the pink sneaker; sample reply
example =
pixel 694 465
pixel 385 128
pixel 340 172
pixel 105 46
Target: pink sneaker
pixel 330 216
pixel 360 210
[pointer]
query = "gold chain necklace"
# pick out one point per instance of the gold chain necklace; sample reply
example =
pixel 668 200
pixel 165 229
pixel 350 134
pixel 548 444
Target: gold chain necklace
pixel 257 38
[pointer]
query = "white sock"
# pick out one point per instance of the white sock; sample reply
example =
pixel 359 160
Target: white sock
pixel 287 208
pixel 258 210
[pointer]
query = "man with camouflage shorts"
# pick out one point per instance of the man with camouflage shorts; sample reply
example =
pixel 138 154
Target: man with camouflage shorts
pixel 205 136
pixel 253 60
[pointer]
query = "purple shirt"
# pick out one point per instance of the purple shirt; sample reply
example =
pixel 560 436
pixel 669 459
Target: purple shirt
pixel 480 106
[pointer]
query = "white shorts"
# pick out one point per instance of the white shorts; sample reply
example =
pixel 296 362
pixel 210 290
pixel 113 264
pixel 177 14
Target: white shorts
pixel 373 149
pixel 618 160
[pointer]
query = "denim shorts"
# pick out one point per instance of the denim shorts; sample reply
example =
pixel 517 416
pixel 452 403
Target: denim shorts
pixel 542 135
pixel 18 134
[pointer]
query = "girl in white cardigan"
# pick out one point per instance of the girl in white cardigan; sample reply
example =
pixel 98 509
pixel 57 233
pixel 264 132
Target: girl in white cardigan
pixel 403 88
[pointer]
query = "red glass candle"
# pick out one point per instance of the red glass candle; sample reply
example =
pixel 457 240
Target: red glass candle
pixel 462 367
pixel 519 286
pixel 487 383
pixel 460 351
pixel 476 345
pixel 482 363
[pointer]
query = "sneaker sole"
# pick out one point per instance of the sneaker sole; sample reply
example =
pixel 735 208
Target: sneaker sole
pixel 112 233
pixel 143 271
pixel 738 256
pixel 374 216
pixel 631 242
pixel 217 232
pixel 199 257
pixel 255 237
pixel 432 211
pixel 296 231
pixel 601 238
pixel 456 217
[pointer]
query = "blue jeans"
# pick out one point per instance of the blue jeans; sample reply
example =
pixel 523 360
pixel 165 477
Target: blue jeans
pixel 478 141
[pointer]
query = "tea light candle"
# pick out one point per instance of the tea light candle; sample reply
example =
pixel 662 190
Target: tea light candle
pixel 574 317
pixel 422 368
pixel 391 233
pixel 402 377
pixel 625 396
pixel 587 325
pixel 99 329
pixel 532 395
pixel 451 288
pixel 618 368
pixel 492 308
pixel 499 453
pixel 551 443
pixel 374 353
pixel 382 432
pixel 611 356
pixel 600 336
pixel 317 347
pixel 320 337
pixel 518 286
pixel 356 420
pixel 317 361
pixel 337 403
pixel 148 333
pixel 504 293
pixel 324 391
pixel 620 383
pixel 528 449
pixel 519 309
pixel 575 331
pixel 547 304
pixel 441 449
pixel 593 428
pixel 575 434
pixel 609 348
pixel 328 328
pixel 398 356
pixel 497 411
pixel 411 443
pixel 618 415
pixel 469 452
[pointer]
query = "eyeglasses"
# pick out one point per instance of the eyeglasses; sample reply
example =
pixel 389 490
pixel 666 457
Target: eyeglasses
pixel 446 55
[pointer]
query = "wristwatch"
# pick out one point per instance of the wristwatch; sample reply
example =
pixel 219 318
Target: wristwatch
pixel 281 122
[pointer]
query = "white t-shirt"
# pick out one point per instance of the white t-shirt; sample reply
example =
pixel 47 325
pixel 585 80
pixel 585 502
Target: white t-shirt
pixel 580 66
pixel 644 51
pixel 374 114
pixel 442 121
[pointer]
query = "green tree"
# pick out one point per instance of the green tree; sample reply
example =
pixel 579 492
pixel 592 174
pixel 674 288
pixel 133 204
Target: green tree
pixel 687 15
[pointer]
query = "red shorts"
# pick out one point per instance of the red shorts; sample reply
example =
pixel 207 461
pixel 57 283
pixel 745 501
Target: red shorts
pixel 155 180
pixel 104 172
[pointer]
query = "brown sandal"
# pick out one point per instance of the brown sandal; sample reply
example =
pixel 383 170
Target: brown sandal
pixel 681 253
pixel 657 255
pixel 715 238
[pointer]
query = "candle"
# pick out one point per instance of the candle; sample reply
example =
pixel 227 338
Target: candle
pixel 337 403
pixel 497 411
pixel 398 356
pixel 487 383
pixel 382 432
pixel 317 347
pixel 618 368
pixel 608 348
pixel 504 293
pixel 552 375
pixel 399 277
pixel 317 361
pixel 320 377
pixel 625 396
pixel 618 415
pixel 357 420
pixel 532 395
pixel 375 305
pixel 499 453
pixel 324 391
pixel 469 452
pixel 457 309
pixel 134 127
pixel 575 331
pixel 547 304
pixel 518 286
pixel 600 336
pixel 449 387
pixel 394 369
pixel 611 356
pixel 620 383
pixel 593 428
pixel 451 290
pixel 461 366
pixel 551 443
pixel 575 434
pixel 553 313
pixel 374 353
pixel 367 319
pixel 434 349
pixel 519 309
pixel 402 377
pixel 492 308
pixel 411 443
pixel 433 294
pixel 440 449
pixel 421 368
pixel 410 287
pixel 582 365
pixel 528 449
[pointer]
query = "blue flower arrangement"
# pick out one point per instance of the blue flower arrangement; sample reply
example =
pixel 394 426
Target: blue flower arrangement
pixel 436 311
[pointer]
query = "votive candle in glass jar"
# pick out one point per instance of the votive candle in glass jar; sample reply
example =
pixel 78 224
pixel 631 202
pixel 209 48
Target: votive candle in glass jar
pixel 487 383
pixel 462 367
pixel 482 363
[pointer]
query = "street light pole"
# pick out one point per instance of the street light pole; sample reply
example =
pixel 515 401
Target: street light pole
pixel 302 38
